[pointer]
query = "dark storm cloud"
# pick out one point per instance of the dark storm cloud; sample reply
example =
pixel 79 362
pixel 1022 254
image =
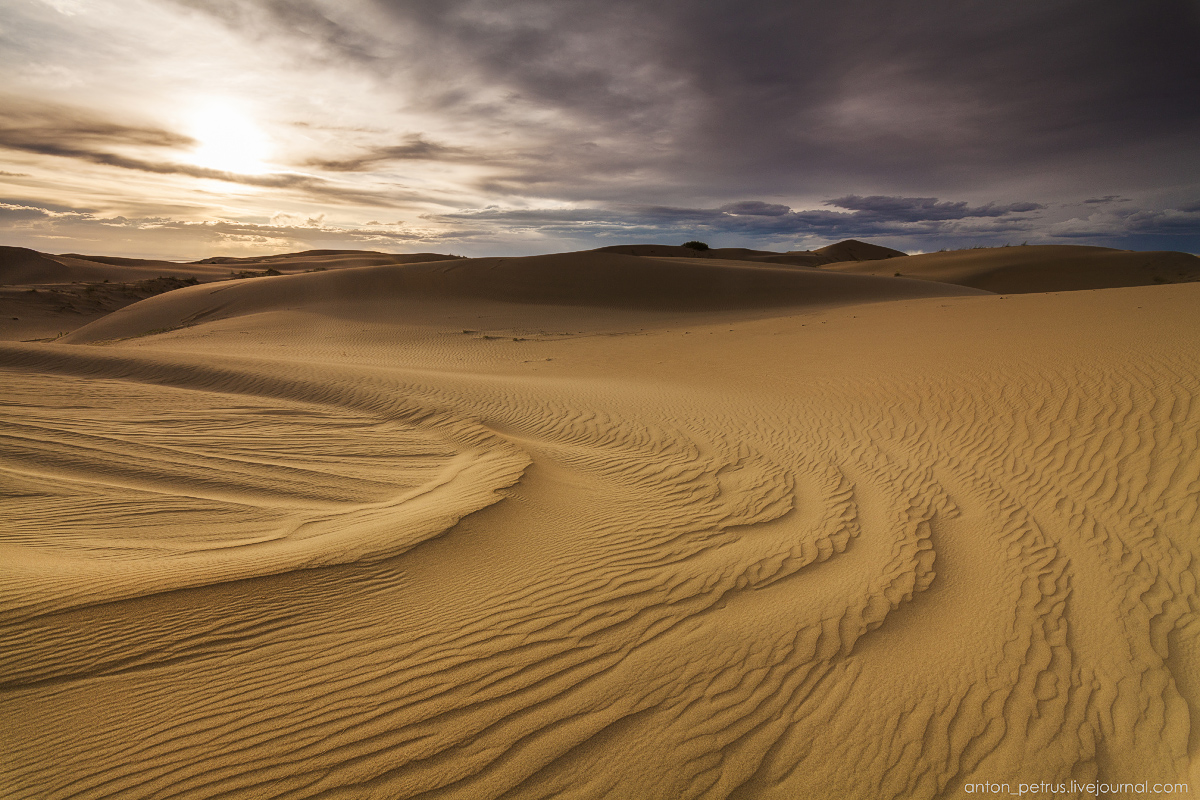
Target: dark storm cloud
pixel 755 208
pixel 863 216
pixel 767 96
pixel 415 148
pixel 1136 226
pixel 648 119
pixel 59 130
pixel 924 209
pixel 298 18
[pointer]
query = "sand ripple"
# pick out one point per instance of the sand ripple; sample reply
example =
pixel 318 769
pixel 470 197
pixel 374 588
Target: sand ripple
pixel 135 488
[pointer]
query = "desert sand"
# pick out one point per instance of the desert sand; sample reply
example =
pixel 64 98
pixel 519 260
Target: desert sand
pixel 616 524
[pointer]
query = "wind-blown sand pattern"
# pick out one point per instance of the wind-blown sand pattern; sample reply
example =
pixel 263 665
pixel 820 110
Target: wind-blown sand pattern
pixel 602 525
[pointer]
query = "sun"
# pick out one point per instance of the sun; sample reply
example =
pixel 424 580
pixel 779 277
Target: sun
pixel 227 140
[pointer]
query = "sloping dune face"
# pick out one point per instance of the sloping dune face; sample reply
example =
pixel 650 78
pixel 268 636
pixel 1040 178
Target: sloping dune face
pixel 596 280
pixel 1039 268
pixel 20 265
pixel 864 551
pixel 132 488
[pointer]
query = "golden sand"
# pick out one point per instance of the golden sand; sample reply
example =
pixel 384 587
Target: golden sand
pixel 606 525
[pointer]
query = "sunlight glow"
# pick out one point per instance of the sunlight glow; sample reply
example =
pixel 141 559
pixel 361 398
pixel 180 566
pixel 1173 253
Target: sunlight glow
pixel 227 140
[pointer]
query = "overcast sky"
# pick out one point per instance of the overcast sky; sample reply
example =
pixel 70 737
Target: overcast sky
pixel 187 128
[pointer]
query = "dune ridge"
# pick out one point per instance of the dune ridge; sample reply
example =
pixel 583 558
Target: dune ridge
pixel 1040 268
pixel 848 250
pixel 823 535
pixel 601 280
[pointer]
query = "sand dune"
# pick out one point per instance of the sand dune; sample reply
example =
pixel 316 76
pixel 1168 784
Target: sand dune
pixel 679 251
pixel 54 269
pixel 49 311
pixel 601 525
pixel 848 250
pixel 1039 268
pixel 20 266
pixel 327 259
pixel 47 296
pixel 604 281
pixel 854 250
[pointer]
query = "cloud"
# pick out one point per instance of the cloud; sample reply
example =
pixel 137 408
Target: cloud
pixel 295 19
pixel 755 208
pixel 1136 226
pixel 52 129
pixel 696 98
pixel 41 228
pixel 863 216
pixel 71 132
pixel 67 7
pixel 923 209
pixel 284 220
pixel 771 123
pixel 516 230
pixel 15 211
pixel 415 148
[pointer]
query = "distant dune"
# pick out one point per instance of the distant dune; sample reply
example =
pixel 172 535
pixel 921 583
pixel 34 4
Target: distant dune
pixel 849 250
pixel 327 259
pixel 854 250
pixel 1040 268
pixel 679 251
pixel 115 261
pixel 19 265
pixel 610 524
pixel 45 296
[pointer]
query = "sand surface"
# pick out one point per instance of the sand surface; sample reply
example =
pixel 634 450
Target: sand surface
pixel 1038 268
pixel 45 296
pixel 602 525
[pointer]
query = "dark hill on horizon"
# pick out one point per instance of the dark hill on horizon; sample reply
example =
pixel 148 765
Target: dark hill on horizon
pixel 855 250
pixel 20 265
pixel 328 259
pixel 848 250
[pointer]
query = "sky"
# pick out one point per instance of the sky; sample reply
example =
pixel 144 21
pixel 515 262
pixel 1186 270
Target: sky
pixel 182 129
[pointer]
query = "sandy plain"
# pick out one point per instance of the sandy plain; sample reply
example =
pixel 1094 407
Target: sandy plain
pixel 627 524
